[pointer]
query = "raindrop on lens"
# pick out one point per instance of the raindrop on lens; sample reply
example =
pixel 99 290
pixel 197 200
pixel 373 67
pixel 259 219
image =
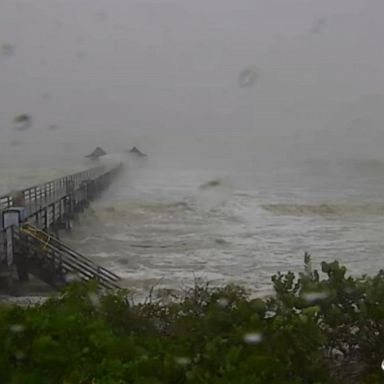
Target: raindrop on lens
pixel 94 299
pixel 315 296
pixel 7 49
pixel 182 360
pixel 17 328
pixel 223 302
pixel 22 122
pixel 247 77
pixel 72 277
pixel 253 338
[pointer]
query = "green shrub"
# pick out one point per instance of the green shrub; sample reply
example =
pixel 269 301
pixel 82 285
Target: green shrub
pixel 319 327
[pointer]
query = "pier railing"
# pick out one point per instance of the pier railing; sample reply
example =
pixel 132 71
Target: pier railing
pixel 45 191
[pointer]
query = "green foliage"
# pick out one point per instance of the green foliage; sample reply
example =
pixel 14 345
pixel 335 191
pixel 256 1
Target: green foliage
pixel 319 327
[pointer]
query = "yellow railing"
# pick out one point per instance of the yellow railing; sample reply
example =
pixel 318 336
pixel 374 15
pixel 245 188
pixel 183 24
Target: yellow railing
pixel 37 234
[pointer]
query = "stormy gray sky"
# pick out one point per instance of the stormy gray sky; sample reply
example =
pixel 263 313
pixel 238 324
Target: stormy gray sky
pixel 164 75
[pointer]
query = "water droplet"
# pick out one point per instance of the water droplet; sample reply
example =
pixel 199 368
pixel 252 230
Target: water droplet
pixel 22 122
pixel 182 360
pixel 72 277
pixel 247 77
pixel 318 25
pixel 223 302
pixel 315 296
pixel 17 328
pixel 211 184
pixel 7 49
pixel 253 338
pixel 94 299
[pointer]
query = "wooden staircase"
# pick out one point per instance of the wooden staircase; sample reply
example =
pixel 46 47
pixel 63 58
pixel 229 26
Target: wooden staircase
pixel 50 260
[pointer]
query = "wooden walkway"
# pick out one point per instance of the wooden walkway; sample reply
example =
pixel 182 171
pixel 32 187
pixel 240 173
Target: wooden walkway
pixel 29 223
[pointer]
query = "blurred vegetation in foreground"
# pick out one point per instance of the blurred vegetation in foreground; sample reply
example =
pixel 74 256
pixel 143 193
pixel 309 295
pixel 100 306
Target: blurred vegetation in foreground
pixel 319 327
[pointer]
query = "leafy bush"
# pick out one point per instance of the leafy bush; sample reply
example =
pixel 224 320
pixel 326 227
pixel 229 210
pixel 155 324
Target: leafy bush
pixel 319 327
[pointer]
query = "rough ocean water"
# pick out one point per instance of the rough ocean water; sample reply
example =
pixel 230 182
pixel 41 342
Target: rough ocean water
pixel 157 226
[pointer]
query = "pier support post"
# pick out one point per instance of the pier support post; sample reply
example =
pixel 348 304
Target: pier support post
pixel 21 263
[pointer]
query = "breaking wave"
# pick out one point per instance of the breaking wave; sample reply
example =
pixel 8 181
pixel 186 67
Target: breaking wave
pixel 325 209
pixel 113 211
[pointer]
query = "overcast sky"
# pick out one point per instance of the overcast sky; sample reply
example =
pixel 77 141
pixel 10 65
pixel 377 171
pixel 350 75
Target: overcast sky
pixel 165 73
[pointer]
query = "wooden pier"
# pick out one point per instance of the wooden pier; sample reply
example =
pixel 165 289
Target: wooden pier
pixel 29 223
